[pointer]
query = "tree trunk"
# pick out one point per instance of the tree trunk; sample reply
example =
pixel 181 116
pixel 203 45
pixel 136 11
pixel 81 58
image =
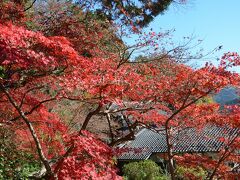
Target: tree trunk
pixel 170 154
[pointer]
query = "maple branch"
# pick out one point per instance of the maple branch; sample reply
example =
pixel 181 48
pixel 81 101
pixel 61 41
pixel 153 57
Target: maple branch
pixel 39 104
pixel 235 168
pixel 70 149
pixel 32 131
pixel 170 154
pixel 29 90
pixel 129 136
pixel 169 145
pixel 109 125
pixel 89 116
pixel 34 108
pixel 61 159
pixel 31 5
pixel 189 92
pixel 131 127
pixel 123 59
pixel 226 153
pixel 84 126
pixel 163 56
pixel 71 123
pixel 125 109
pixel 185 106
pixel 80 99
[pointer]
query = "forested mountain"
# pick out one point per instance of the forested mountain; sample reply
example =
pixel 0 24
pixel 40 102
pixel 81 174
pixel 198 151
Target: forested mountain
pixel 227 96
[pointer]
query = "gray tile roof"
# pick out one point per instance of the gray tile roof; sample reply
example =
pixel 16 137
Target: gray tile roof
pixel 187 140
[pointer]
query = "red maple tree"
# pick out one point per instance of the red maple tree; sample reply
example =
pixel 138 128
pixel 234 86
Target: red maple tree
pixel 38 69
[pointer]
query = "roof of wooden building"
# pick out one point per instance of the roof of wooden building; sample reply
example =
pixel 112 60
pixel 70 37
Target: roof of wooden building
pixel 189 140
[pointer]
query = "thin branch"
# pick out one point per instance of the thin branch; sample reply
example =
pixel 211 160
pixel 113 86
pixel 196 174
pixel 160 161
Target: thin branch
pixel 129 136
pixel 125 109
pixel 28 91
pixel 31 5
pixel 226 153
pixel 185 106
pixel 34 108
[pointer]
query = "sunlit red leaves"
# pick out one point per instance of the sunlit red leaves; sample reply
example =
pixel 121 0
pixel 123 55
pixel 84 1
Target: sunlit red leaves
pixel 89 159
pixel 209 161
pixel 230 59
pixel 25 49
pixel 47 125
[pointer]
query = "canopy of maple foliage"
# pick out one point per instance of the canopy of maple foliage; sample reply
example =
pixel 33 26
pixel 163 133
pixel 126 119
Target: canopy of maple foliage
pixel 38 67
pixel 30 63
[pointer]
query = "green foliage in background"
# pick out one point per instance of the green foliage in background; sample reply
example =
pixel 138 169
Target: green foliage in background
pixel 186 173
pixel 14 162
pixel 143 170
pixel 205 100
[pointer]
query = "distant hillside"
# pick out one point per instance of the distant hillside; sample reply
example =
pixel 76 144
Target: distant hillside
pixel 227 96
pixel 233 102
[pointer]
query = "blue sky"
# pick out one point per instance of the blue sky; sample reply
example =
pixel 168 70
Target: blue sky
pixel 216 22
